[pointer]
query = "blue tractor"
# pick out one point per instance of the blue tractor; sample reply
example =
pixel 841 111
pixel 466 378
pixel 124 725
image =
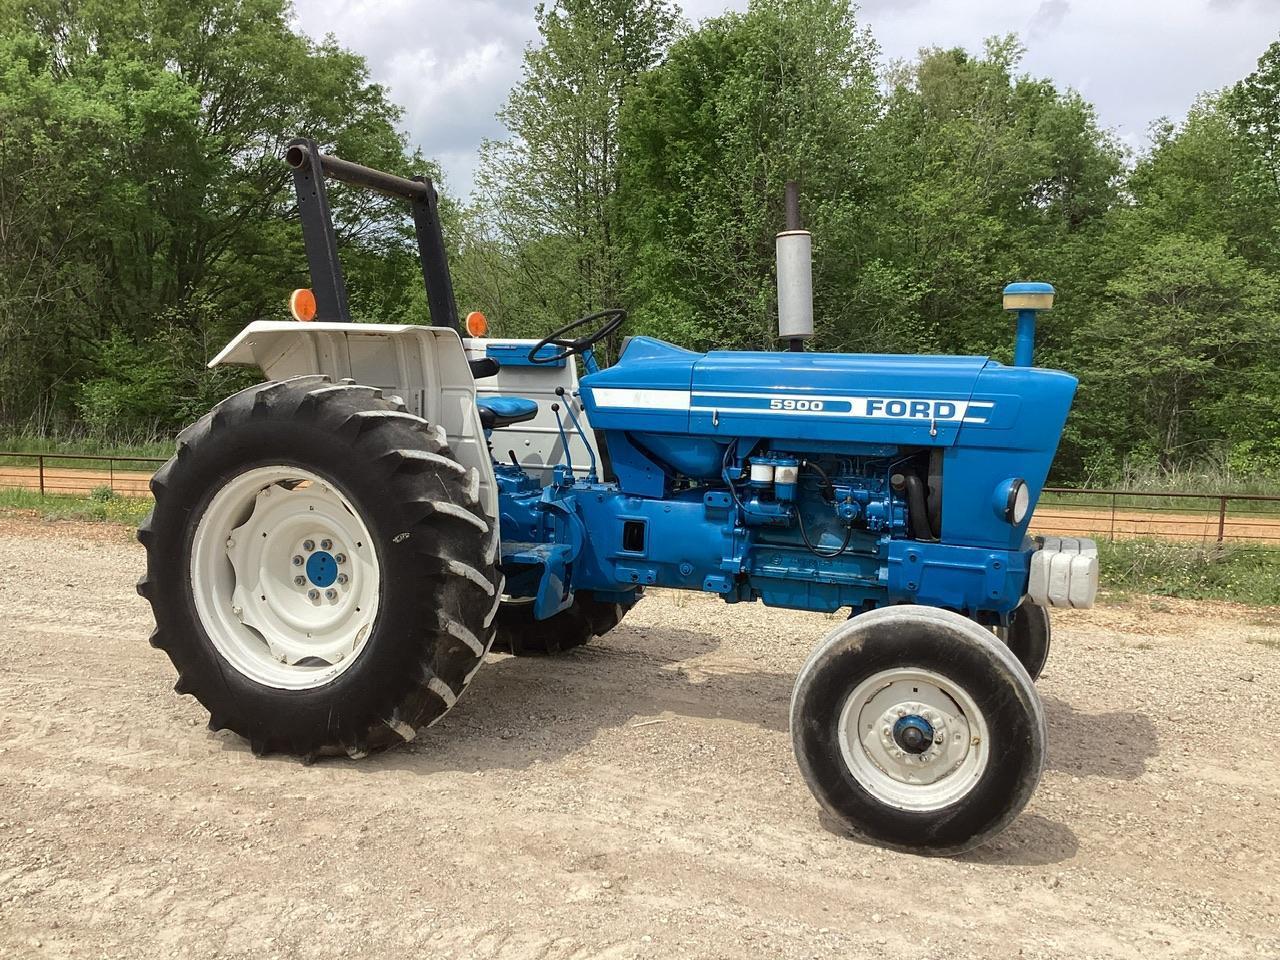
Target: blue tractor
pixel 333 551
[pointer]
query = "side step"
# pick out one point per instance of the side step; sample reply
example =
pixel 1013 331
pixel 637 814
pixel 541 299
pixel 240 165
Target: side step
pixel 553 559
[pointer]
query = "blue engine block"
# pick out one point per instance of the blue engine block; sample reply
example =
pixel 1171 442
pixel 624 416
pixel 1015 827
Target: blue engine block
pixel 810 481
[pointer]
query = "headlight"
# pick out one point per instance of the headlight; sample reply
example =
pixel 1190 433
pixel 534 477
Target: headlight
pixel 1012 500
pixel 1019 502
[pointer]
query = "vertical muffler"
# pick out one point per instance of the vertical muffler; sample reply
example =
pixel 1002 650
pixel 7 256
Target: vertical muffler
pixel 795 276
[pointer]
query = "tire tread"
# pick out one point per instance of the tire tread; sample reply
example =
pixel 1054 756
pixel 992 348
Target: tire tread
pixel 453 531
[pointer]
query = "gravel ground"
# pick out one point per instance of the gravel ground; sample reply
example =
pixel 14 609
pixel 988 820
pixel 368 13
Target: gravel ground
pixel 636 798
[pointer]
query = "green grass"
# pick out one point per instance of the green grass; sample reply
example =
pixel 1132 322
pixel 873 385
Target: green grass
pixel 83 444
pixel 1238 574
pixel 1214 475
pixel 102 505
pixel 1140 487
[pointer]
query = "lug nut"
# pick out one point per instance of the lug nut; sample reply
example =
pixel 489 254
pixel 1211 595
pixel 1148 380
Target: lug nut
pixel 326 544
pixel 340 557
pixel 297 559
pixel 331 594
pixel 308 545
pixel 342 578
pixel 300 581
pixel 313 594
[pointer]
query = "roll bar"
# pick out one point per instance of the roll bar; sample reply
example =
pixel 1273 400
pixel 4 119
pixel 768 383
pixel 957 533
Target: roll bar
pixel 310 168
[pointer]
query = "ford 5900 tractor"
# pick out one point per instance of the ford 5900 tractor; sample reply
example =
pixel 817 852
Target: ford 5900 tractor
pixel 334 551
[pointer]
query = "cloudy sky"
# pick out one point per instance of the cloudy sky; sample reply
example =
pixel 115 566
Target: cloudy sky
pixel 450 63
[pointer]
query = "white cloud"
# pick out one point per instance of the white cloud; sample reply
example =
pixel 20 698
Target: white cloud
pixel 450 63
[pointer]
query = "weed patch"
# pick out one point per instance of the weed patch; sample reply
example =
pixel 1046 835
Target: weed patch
pixel 102 505
pixel 1239 574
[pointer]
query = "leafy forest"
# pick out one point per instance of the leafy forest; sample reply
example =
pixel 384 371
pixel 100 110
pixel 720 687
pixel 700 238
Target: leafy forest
pixel 146 216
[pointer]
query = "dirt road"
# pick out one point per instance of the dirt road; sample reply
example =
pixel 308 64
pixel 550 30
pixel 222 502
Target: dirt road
pixel 1099 522
pixel 68 482
pixel 636 798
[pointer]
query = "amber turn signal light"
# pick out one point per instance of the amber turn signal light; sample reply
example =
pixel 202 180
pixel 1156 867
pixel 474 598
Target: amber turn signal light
pixel 302 304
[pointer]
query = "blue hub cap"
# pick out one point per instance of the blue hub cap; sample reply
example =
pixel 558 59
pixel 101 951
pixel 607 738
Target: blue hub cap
pixel 913 733
pixel 322 569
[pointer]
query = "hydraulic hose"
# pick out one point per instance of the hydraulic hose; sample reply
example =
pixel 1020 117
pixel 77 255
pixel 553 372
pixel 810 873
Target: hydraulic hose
pixel 917 509
pixel 829 490
pixel 817 552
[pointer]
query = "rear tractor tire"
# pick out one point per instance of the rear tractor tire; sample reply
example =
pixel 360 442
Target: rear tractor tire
pixel 320 567
pixel 918 729
pixel 521 635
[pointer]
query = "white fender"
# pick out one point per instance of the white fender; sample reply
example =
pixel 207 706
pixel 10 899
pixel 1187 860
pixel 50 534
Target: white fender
pixel 426 367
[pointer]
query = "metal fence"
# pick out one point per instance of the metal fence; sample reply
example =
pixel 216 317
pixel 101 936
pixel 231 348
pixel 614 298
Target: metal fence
pixel 54 474
pixel 1239 519
pixel 1205 518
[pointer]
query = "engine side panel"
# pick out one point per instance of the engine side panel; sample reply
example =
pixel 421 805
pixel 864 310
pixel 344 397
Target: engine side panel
pixel 1029 409
pixel 919 401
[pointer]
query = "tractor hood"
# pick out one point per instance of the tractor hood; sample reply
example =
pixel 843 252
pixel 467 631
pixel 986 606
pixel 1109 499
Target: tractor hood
pixel 657 387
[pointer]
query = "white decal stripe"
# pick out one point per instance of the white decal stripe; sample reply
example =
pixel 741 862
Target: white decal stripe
pixel 650 399
pixel 860 408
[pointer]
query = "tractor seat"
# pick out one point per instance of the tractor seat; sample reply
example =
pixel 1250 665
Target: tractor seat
pixel 498 412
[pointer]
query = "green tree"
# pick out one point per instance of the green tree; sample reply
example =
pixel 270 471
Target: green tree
pixel 745 103
pixel 1176 345
pixel 1189 260
pixel 551 187
pixel 140 152
pixel 985 177
pixel 1252 107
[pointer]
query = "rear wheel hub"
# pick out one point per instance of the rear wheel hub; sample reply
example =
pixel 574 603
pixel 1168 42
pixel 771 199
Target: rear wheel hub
pixel 322 569
pixel 278 626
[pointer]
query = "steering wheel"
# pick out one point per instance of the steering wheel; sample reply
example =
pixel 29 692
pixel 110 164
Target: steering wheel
pixel 576 346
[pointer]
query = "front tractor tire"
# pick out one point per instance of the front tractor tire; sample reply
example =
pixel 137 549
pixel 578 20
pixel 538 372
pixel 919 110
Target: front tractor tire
pixel 521 635
pixel 320 567
pixel 918 729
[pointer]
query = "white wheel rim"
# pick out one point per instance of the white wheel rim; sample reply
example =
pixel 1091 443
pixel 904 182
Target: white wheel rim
pixel 878 713
pixel 245 574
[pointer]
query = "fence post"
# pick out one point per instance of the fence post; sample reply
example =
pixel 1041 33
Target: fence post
pixel 1113 516
pixel 111 475
pixel 41 460
pixel 1222 519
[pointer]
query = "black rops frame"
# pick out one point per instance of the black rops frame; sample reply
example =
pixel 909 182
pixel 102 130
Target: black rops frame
pixel 310 168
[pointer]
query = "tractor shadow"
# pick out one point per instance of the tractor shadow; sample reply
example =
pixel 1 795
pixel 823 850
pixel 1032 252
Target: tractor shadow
pixel 1113 746
pixel 533 710
pixel 1031 840
pixel 539 709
